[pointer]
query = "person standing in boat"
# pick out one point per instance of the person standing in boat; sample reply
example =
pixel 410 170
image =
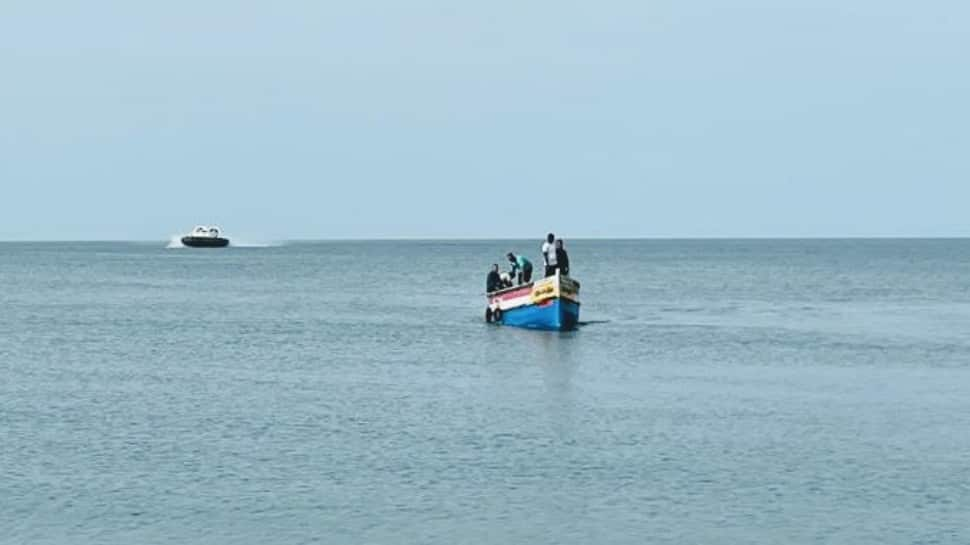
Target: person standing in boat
pixel 562 258
pixel 494 280
pixel 521 267
pixel 549 254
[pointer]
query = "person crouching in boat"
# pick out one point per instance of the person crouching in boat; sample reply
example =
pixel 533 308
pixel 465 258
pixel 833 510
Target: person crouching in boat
pixel 494 280
pixel 522 267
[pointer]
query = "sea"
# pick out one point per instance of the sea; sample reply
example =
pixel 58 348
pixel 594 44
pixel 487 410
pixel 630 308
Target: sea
pixel 350 392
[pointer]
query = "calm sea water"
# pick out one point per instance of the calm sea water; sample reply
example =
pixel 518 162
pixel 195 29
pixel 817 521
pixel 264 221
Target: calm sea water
pixel 758 392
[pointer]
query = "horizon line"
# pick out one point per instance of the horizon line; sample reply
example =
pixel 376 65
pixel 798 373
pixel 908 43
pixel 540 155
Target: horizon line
pixel 520 239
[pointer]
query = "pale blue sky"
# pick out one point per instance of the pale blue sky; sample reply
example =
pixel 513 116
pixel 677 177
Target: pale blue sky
pixel 373 118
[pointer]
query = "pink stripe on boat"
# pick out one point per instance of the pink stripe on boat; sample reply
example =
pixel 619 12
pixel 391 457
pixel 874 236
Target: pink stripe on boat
pixel 522 292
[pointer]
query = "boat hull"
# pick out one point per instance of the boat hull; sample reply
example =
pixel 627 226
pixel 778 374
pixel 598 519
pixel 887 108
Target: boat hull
pixel 205 242
pixel 549 304
pixel 552 315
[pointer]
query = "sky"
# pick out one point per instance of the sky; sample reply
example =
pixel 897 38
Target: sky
pixel 301 119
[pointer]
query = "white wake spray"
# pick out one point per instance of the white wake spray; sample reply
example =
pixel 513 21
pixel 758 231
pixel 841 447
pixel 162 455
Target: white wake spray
pixel 175 242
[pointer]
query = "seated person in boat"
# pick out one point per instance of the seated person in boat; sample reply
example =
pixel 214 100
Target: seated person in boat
pixel 494 280
pixel 522 267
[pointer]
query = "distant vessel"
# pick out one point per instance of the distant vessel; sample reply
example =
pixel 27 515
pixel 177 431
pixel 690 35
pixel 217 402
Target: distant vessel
pixel 205 237
pixel 550 303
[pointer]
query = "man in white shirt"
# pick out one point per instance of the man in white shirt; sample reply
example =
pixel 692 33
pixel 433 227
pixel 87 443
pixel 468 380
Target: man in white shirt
pixel 549 254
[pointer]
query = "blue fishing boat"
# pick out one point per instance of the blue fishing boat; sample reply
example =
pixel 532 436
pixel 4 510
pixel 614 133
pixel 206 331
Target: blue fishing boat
pixel 550 303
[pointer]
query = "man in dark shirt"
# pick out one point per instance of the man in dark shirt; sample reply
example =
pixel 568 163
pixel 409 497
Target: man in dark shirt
pixel 494 281
pixel 562 258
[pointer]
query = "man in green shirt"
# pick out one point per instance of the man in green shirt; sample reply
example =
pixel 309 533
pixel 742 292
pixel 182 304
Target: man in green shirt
pixel 522 266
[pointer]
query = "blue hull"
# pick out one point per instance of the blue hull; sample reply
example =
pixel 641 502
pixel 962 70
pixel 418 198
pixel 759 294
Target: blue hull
pixel 554 315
